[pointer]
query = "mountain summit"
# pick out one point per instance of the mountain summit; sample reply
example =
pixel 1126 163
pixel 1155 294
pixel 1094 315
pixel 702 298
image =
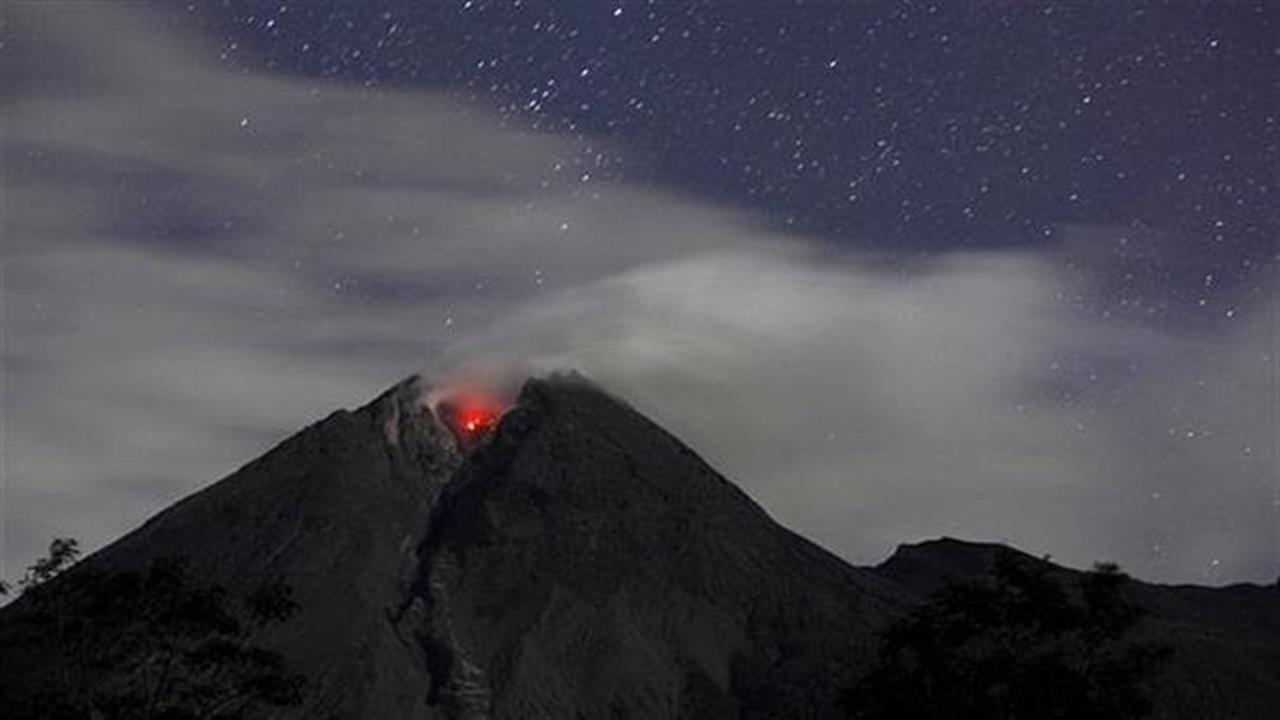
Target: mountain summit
pixel 572 560
pixel 584 563
pixel 579 562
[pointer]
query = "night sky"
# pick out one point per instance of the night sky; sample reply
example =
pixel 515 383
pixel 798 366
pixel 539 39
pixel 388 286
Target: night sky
pixel 994 269
pixel 925 126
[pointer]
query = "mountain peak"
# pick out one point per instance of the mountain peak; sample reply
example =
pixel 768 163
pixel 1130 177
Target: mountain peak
pixel 560 556
pixel 930 564
pixel 582 527
pixel 412 431
pixel 616 451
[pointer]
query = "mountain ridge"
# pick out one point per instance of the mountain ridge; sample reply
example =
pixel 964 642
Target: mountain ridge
pixel 581 561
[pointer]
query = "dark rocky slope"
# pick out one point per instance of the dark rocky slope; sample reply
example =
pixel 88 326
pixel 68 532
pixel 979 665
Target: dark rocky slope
pixel 587 564
pixel 582 563
pixel 337 511
pixel 1226 641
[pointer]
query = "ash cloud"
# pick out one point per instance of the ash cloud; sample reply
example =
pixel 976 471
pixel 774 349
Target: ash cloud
pixel 197 262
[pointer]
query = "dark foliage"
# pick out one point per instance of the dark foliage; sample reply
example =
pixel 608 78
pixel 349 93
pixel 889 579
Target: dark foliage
pixel 1017 644
pixel 151 646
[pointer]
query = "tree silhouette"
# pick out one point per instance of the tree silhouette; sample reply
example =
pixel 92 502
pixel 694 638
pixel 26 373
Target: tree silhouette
pixel 151 646
pixel 1017 644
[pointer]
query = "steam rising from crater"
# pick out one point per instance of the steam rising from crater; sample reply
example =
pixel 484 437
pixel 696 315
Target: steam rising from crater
pixel 956 397
pixel 471 402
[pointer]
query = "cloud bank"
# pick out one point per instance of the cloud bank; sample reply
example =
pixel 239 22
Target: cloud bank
pixel 197 262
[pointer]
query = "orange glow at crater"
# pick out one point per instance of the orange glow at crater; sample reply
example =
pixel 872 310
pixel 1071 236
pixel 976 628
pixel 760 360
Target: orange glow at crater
pixel 472 401
pixel 471 414
pixel 477 419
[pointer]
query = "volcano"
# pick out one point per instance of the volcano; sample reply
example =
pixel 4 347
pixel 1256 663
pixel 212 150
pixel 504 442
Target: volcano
pixel 565 557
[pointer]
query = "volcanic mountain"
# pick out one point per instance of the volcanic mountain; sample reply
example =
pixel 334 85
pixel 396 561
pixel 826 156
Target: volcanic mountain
pixel 576 562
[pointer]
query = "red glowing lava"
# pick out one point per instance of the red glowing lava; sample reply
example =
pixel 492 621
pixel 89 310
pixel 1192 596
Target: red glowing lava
pixel 477 419
pixel 472 415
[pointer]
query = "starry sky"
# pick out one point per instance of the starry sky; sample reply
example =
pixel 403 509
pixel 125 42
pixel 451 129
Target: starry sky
pixel 991 269
pixel 928 126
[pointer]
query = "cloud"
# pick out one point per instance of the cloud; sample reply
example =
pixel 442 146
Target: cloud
pixel 197 262
pixel 867 408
